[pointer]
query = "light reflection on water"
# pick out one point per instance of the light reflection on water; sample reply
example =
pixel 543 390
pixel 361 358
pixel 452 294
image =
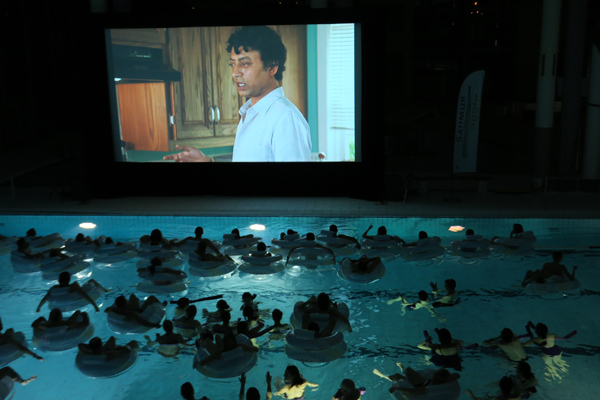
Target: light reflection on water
pixel 383 334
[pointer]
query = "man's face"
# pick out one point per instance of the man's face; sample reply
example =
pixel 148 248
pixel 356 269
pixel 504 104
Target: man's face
pixel 249 75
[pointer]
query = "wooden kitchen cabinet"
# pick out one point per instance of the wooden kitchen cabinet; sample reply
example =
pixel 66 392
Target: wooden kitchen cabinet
pixel 143 114
pixel 206 100
pixel 146 37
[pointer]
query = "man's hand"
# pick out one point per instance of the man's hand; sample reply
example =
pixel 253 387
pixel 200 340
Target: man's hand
pixel 189 154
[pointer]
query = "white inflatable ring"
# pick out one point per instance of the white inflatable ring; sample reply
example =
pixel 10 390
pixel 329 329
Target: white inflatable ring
pixel 302 346
pixel 72 268
pixel 85 248
pixel 232 363
pixel 151 251
pixel 9 352
pixel 9 244
pixel 6 388
pixel 67 300
pixel 25 265
pixel 261 269
pixel 59 338
pixel 345 272
pixel 154 288
pixel 98 366
pixel 319 318
pixel 446 391
pixel 561 284
pixel 154 313
pixel 380 242
pixel 172 263
pixel 210 269
pixel 229 240
pixel 54 240
pixel 260 258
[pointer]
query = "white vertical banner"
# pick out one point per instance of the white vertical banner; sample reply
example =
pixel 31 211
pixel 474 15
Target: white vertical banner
pixel 468 112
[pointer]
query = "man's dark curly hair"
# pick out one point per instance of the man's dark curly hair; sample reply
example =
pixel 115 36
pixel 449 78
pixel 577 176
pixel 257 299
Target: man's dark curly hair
pixel 264 40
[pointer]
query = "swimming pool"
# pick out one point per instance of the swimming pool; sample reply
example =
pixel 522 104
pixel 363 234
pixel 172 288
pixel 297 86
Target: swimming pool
pixel 382 335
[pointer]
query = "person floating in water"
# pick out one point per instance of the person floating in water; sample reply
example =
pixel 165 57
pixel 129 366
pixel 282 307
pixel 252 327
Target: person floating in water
pixel 293 384
pixel 510 344
pixel 553 268
pixel 419 382
pixel 253 393
pixel 551 353
pixel 445 354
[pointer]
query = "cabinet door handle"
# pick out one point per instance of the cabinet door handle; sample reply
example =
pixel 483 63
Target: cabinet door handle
pixel 218 116
pixel 212 116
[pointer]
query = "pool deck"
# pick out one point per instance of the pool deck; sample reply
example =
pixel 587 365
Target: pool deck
pixel 31 201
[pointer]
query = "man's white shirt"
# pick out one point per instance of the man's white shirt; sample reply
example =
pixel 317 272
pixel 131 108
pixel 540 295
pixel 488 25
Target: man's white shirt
pixel 272 130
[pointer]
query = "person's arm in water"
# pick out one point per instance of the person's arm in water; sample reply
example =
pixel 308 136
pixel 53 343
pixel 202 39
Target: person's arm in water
pixel 567 274
pixel 189 154
pixel 365 236
pixel 269 390
pixel 242 386
pixel 84 294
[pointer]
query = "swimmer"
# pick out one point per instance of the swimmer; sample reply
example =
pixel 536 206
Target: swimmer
pixel 507 390
pixel 10 373
pixel 198 232
pixel 156 266
pixel 56 319
pixel 236 236
pixel 327 331
pixel 252 318
pixel 81 238
pixel 423 301
pixel 187 392
pixel 310 237
pixel 516 232
pixel 248 300
pixel 334 229
pixel 364 265
pixel 418 381
pixel 64 280
pixel 551 353
pixel 253 393
pixel 323 304
pixel 209 342
pixel 243 329
pixel 156 238
pixel 131 309
pixel 509 343
pixel 229 343
pixel 451 294
pixel 109 349
pixel 215 316
pixel 169 343
pixel 203 256
pixel 24 248
pixel 278 327
pixel 381 231
pixel 263 247
pixel 7 338
pixel 422 235
pixel 183 303
pixel 554 268
pixel 225 326
pixel 293 384
pixel 187 324
pixel 347 391
pixel 445 354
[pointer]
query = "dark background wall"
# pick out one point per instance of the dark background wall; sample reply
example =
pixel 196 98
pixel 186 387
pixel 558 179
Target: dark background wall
pixel 48 65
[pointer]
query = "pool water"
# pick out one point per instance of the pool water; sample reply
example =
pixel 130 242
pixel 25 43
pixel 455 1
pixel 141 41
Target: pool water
pixel 382 334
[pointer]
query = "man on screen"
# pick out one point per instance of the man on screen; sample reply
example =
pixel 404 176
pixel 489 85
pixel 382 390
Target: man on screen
pixel 271 128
